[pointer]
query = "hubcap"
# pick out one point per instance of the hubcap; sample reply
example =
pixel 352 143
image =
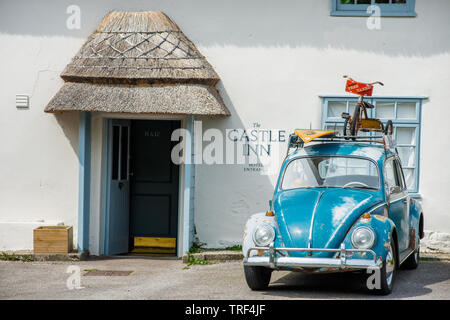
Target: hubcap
pixel 390 265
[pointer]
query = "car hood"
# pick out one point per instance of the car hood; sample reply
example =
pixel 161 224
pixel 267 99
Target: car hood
pixel 326 214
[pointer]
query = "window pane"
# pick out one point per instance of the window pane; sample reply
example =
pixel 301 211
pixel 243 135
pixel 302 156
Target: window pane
pixel 400 175
pixel 335 108
pixel 363 1
pixel 385 110
pixel 339 127
pixel 334 167
pixel 124 154
pixel 389 174
pixel 115 152
pixel 406 110
pixel 407 155
pixel 330 172
pixel 409 177
pixel 406 136
pixel 347 1
pixel 387 1
pixel 351 107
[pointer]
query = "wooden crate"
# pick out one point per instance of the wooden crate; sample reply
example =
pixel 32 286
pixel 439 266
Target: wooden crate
pixel 52 239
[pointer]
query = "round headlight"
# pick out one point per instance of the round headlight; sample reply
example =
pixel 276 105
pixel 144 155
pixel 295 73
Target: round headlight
pixel 263 235
pixel 363 238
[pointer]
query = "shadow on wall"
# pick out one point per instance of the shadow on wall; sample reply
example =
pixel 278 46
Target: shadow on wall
pixel 249 23
pixel 68 122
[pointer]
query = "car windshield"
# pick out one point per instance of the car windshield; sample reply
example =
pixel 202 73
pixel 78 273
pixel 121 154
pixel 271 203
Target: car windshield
pixel 331 172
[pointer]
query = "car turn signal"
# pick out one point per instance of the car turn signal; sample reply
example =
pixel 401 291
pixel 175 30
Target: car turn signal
pixel 270 213
pixel 366 216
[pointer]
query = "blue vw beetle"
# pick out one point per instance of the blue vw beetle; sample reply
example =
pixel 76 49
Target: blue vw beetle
pixel 338 205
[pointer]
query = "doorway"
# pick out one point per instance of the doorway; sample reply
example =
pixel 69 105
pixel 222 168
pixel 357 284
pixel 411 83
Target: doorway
pixel 142 188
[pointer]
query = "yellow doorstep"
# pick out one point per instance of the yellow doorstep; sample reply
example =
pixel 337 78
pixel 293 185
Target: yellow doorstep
pixel 149 246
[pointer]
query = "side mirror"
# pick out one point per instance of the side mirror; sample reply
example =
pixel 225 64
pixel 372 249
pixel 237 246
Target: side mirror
pixel 394 189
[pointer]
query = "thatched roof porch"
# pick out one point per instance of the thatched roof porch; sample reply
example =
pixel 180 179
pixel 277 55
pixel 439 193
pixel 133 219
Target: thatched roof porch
pixel 173 99
pixel 139 62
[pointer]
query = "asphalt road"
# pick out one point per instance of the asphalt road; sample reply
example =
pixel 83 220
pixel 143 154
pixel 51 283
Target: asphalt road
pixel 168 279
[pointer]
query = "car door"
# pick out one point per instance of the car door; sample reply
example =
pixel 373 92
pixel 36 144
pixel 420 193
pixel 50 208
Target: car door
pixel 405 202
pixel 398 200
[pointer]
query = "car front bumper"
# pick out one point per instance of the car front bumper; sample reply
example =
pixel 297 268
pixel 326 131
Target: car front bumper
pixel 280 262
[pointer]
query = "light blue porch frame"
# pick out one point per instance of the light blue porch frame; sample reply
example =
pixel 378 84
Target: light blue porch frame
pixel 84 180
pixel 188 187
pixel 105 199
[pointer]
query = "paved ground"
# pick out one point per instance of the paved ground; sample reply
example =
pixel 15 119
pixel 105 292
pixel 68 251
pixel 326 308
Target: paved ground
pixel 167 279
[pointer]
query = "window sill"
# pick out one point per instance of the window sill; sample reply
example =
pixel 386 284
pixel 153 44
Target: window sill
pixel 351 13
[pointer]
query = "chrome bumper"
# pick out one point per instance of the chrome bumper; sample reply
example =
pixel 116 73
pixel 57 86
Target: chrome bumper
pixel 274 262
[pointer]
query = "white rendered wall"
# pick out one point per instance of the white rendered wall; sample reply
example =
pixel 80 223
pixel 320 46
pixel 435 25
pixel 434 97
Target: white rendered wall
pixel 274 60
pixel 39 164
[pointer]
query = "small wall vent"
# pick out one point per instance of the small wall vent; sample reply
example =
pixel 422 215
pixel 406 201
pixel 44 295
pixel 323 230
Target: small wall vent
pixel 22 101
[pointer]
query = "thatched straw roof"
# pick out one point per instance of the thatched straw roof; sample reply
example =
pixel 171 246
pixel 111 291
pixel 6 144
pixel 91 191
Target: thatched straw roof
pixel 139 62
pixel 194 99
pixel 139 45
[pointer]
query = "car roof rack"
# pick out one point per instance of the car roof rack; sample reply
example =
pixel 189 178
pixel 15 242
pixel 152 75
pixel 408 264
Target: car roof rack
pixel 300 137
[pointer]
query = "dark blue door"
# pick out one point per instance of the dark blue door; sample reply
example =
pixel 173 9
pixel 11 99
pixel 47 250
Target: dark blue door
pixel 154 180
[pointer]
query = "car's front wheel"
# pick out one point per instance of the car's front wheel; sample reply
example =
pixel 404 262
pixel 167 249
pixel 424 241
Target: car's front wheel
pixel 388 271
pixel 257 278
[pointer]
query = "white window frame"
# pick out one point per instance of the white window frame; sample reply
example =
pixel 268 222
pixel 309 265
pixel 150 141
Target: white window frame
pixel 329 122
